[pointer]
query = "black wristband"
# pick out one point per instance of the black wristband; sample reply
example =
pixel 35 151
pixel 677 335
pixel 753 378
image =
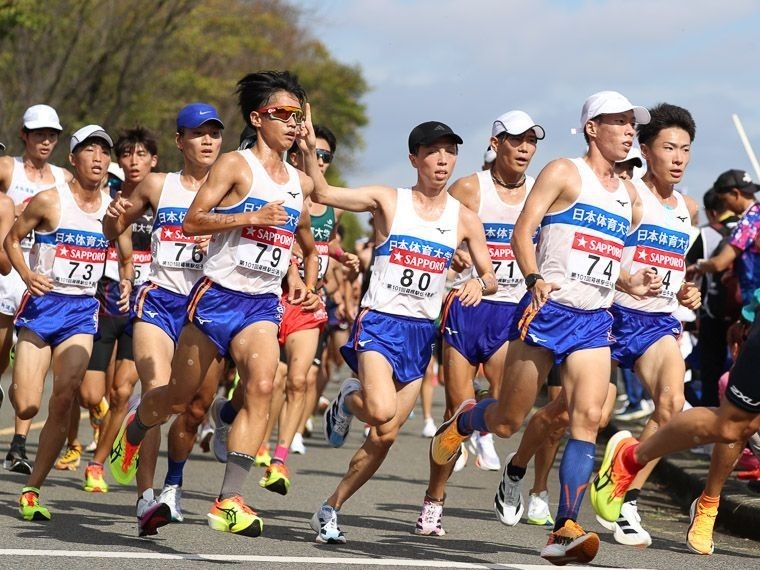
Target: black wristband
pixel 530 280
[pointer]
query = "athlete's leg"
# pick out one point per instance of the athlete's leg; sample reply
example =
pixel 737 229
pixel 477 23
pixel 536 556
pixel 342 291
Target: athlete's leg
pixel 6 340
pixel 33 359
pixel 547 446
pixel 125 378
pixel 375 404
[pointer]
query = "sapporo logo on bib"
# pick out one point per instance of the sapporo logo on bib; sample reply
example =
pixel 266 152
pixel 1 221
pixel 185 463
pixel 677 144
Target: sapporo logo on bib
pixel 80 257
pixel 174 248
pixel 499 242
pixel 266 249
pixel 140 259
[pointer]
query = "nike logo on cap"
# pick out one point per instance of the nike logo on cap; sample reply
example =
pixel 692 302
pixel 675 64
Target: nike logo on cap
pixel 203 112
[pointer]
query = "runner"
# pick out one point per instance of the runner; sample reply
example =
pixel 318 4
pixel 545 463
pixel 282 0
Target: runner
pixel 477 335
pixel 21 178
pixel 253 202
pixel 417 231
pixel 158 312
pixel 585 212
pixel 58 315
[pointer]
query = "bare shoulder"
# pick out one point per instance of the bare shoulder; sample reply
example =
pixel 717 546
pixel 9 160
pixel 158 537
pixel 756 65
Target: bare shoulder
pixel 466 190
pixel 6 171
pixel 559 168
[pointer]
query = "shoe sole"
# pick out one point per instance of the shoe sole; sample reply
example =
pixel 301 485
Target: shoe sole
pixel 95 489
pixel 158 518
pixel 279 487
pixel 420 532
pixel 582 550
pixel 548 521
pixel 485 467
pixel 218 523
pixel 20 467
pixel 607 461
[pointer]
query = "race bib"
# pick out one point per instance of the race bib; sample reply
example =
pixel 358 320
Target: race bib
pixel 504 264
pixel 78 265
pixel 415 274
pixel 176 250
pixel 140 259
pixel 595 260
pixel 662 250
pixel 265 249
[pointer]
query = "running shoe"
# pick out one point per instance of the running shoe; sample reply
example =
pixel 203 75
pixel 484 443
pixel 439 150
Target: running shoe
pixel 487 459
pixel 308 427
pixel 98 412
pixel 609 487
pixel 221 429
pixel 124 456
pixel 297 446
pixel 508 502
pixel 627 529
pixel 429 428
pixel 276 478
pixel 93 479
pixel 337 421
pixel 571 544
pixel 263 457
pixel 171 496
pixel 29 505
pixel 461 461
pixel 151 515
pixel 538 509
pixel 17 461
pixel 748 475
pixel 447 440
pixel 429 521
pixel 322 404
pixel 325 523
pixel 70 459
pixel 206 432
pixel 2 396
pixel 233 515
pixel 635 412
pixel 699 537
pixel 93 445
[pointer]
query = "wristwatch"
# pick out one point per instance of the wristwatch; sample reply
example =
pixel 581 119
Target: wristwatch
pixel 530 279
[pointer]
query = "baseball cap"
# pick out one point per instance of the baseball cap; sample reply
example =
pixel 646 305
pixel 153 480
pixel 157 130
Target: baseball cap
pixel 2 147
pixel 89 132
pixel 42 117
pixel 116 170
pixel 735 179
pixel 606 102
pixel 194 115
pixel 429 132
pixel 633 155
pixel 516 123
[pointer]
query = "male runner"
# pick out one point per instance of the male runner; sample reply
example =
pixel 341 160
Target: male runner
pixel 58 316
pixel 417 231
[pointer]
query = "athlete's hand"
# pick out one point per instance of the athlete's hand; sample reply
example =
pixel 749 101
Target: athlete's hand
pixel 689 296
pixel 541 292
pixel 201 243
pixel 38 284
pixel 118 206
pixel 351 262
pixel 644 283
pixel 461 260
pixel 125 290
pixel 312 302
pixel 271 214
pixel 470 293
pixel 307 139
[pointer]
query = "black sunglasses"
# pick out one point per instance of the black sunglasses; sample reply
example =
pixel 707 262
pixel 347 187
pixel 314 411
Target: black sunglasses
pixel 325 155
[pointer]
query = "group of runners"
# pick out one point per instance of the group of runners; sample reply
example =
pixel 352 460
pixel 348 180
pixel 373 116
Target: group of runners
pixel 220 270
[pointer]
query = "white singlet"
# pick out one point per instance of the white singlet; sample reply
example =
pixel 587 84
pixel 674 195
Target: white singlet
pixel 580 247
pixel 660 241
pixel 409 272
pixel 74 254
pixel 176 262
pixel 499 222
pixel 256 258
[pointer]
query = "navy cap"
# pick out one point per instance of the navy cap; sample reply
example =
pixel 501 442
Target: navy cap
pixel 194 115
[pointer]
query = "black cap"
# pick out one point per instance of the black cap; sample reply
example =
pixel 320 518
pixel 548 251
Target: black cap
pixel 738 179
pixel 428 133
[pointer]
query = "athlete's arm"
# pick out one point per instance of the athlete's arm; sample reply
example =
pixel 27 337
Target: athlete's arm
pixel 645 282
pixel 230 176
pixel 6 173
pixel 305 240
pixel 7 217
pixel 473 234
pixel 467 191
pixel 37 214
pixel 717 263
pixel 122 212
pixel 126 269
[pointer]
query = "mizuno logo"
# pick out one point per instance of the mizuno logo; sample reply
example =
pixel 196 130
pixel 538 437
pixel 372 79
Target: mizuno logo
pixel 151 314
pixel 23 319
pixel 451 331
pixel 621 203
pixel 294 194
pixel 535 338
pixel 682 218
pixel 443 230
pixel 202 321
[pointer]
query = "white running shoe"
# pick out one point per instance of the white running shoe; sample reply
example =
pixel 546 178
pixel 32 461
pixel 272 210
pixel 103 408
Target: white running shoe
pixel 429 521
pixel 538 509
pixel 627 529
pixel 462 459
pixel 297 446
pixel 205 433
pixel 487 459
pixel 429 429
pixel 337 421
pixel 472 442
pixel 221 429
pixel 508 502
pixel 171 496
pixel 325 523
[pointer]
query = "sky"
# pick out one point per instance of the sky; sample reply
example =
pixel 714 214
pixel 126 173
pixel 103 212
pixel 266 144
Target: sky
pixel 467 62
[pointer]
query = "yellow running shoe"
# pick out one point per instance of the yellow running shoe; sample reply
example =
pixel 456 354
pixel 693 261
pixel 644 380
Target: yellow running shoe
pixel 276 478
pixel 124 456
pixel 93 479
pixel 29 505
pixel 70 459
pixel 446 441
pixel 608 488
pixel 699 537
pixel 571 544
pixel 98 412
pixel 233 515
pixel 263 458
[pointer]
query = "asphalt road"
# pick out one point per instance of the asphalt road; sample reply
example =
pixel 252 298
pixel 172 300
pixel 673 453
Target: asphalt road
pixel 378 521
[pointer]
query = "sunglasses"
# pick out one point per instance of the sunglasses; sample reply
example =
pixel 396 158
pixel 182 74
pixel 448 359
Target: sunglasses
pixel 325 155
pixel 283 114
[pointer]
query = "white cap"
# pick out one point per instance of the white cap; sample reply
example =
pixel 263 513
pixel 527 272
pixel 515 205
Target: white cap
pixel 634 154
pixel 489 156
pixel 116 170
pixel 607 102
pixel 42 117
pixel 89 132
pixel 516 123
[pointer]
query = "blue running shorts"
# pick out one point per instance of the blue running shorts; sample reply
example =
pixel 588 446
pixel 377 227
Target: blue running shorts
pixel 476 332
pixel 406 342
pixel 635 331
pixel 54 317
pixel 160 307
pixel 221 313
pixel 560 328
